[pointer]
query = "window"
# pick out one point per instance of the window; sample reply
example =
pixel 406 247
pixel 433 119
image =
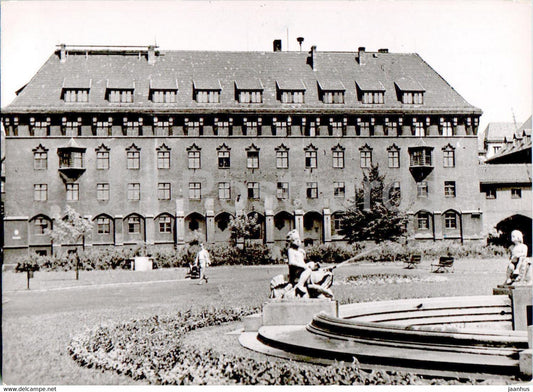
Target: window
pixel 449 188
pixel 193 154
pixel 448 156
pixel 422 189
pixel 102 160
pixel 310 129
pixel 251 127
pixel 336 219
pixel 413 97
pixel 282 190
pixel 165 224
pixel 71 159
pixel 423 221
pixel 419 129
pixel 336 128
pixel 391 127
pixel 195 190
pixel 311 160
pixel 40 158
pixel 450 220
pixel 291 96
pixel 224 191
pixel 331 97
pixel 490 193
pixel 516 193
pixel 339 189
pixel 41 127
pixel 338 157
pixel 253 190
pixel 73 192
pixel 134 192
pixel 132 127
pixel 312 190
pixel 394 156
pixel 103 225
pixel 163 95
pixel 252 157
pixel 75 95
pixel 103 128
pixel 163 159
pixel 222 127
pixel 282 157
pixel 163 191
pixel 41 225
pixel 194 127
pixel 446 128
pixel 102 192
pixel 207 96
pixel 280 127
pixel 133 156
pixel 363 127
pixel 420 156
pixel 223 157
pixel 70 128
pixel 250 96
pixel 134 225
pixel 40 192
pixel 373 97
pixel 366 156
pixel 120 95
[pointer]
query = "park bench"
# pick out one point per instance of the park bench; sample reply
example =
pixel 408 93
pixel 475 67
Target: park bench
pixel 445 264
pixel 414 261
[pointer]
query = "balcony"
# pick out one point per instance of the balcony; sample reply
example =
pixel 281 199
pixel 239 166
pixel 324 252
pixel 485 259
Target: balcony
pixel 421 163
pixel 71 161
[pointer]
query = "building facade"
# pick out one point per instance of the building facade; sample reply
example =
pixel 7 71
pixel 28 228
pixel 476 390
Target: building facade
pixel 162 146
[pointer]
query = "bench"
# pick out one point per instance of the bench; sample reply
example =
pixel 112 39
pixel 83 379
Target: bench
pixel 413 261
pixel 445 264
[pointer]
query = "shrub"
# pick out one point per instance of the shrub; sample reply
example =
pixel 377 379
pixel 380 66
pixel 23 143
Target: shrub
pixel 151 349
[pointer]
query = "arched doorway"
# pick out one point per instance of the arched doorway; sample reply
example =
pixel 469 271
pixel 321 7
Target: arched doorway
pixel 506 226
pixel 222 229
pixel 195 227
pixel 260 220
pixel 283 223
pixel 312 228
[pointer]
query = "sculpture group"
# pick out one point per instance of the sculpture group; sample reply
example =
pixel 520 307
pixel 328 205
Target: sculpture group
pixel 305 279
pixel 519 268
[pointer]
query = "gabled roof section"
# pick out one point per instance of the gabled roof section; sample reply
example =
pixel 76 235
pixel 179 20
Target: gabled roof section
pixel 365 83
pixel 163 84
pixel 408 84
pixel 327 84
pixel 497 131
pixel 224 70
pixel 248 84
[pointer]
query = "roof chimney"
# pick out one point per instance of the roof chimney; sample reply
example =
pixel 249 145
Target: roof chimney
pixel 62 53
pixel 383 50
pixel 312 59
pixel 361 55
pixel 151 54
pixel 277 45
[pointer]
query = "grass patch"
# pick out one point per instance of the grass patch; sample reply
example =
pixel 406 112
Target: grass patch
pixel 382 279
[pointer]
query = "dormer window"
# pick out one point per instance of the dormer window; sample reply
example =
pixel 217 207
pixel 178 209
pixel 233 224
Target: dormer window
pixel 75 90
pixel 120 91
pixel 249 91
pixel 331 91
pixel 370 92
pixel 290 91
pixel 206 91
pixel 410 92
pixel 163 91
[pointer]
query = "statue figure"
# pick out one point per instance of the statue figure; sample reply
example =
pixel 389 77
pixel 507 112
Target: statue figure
pixel 305 280
pixel 519 268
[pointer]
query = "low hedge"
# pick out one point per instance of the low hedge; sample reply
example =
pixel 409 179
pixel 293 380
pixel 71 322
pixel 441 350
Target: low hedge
pixel 259 254
pixel 151 349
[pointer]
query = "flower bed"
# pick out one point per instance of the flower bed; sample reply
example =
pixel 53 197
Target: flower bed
pixel 151 349
pixel 381 279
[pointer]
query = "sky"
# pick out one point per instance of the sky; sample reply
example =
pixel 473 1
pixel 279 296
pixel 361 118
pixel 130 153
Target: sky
pixel 482 48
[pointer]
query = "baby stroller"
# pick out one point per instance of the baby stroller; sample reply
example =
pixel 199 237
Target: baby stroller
pixel 194 272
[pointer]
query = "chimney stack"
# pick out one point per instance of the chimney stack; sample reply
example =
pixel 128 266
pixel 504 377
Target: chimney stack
pixel 383 50
pixel 313 58
pixel 361 55
pixel 62 53
pixel 277 45
pixel 151 54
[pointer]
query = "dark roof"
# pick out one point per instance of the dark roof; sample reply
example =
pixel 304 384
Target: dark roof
pixel 497 131
pixel 505 174
pixel 288 70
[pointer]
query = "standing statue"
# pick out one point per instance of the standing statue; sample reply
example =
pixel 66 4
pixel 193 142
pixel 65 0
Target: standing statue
pixel 306 280
pixel 519 268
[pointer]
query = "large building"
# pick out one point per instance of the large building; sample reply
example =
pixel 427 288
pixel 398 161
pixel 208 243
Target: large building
pixel 159 146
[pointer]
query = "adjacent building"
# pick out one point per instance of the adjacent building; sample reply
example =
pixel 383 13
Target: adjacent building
pixel 161 146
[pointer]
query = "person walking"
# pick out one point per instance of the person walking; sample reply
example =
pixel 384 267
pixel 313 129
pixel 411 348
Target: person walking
pixel 202 261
